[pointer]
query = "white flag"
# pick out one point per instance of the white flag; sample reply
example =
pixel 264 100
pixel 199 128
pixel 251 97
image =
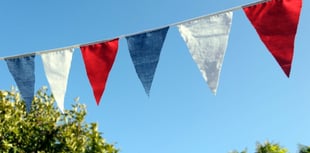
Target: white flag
pixel 206 39
pixel 57 66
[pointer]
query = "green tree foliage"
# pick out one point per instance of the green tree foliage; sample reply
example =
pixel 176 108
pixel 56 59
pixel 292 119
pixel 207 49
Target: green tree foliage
pixel 269 147
pixel 304 149
pixel 44 129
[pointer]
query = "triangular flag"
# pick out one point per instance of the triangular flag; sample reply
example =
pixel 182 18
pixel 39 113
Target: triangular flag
pixel 276 23
pixel 145 51
pixel 57 66
pixel 98 60
pixel 22 70
pixel 207 39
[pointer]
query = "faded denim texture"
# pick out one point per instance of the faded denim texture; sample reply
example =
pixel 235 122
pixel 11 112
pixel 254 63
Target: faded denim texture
pixel 145 51
pixel 22 70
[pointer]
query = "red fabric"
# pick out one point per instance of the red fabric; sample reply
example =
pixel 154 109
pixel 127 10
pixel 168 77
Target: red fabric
pixel 98 60
pixel 276 23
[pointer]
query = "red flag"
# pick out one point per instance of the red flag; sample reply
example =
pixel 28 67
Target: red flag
pixel 276 23
pixel 98 60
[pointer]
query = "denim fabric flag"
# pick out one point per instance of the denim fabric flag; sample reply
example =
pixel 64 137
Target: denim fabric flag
pixel 98 60
pixel 207 40
pixel 145 51
pixel 57 66
pixel 22 70
pixel 276 24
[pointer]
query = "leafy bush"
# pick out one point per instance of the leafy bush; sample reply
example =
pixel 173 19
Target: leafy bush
pixel 45 129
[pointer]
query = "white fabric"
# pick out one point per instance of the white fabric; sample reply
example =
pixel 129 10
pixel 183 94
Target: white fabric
pixel 207 39
pixel 57 66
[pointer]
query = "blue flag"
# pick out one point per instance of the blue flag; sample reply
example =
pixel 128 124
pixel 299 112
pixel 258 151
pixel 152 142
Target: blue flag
pixel 22 70
pixel 145 50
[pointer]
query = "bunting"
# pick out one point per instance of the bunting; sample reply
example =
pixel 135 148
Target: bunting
pixel 57 66
pixel 276 23
pixel 22 70
pixel 98 59
pixel 206 37
pixel 207 40
pixel 145 49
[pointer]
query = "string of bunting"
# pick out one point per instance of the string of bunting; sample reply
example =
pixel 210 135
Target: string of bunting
pixel 206 38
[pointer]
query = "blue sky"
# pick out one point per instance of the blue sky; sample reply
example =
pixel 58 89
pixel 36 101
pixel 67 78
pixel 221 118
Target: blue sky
pixel 254 102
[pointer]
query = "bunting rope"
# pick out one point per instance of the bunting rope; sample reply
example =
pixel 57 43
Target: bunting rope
pixel 128 35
